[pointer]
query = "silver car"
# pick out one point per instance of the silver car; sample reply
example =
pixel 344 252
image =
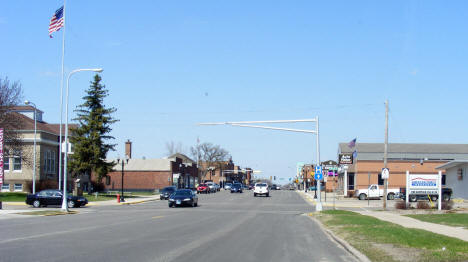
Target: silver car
pixel 227 186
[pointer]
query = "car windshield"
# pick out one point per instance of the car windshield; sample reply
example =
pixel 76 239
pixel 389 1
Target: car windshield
pixel 203 185
pixel 260 185
pixel 228 184
pixel 182 193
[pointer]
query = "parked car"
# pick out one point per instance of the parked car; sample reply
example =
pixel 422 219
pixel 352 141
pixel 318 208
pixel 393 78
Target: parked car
pixel 227 186
pixel 203 188
pixel 183 197
pixel 166 192
pixel 236 188
pixel 261 189
pixel 251 186
pixel 375 192
pixel 54 197
pixel 446 195
pixel 218 188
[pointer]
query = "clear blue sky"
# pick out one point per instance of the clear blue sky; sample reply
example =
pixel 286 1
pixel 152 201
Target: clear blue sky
pixel 171 64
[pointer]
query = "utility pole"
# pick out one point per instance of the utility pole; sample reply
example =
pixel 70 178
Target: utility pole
pixel 385 156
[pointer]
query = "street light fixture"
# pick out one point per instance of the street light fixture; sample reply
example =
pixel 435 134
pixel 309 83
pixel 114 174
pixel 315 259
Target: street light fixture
pixel 34 149
pixel 122 199
pixel 64 200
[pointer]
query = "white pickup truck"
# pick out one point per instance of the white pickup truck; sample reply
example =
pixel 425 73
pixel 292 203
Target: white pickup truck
pixel 375 192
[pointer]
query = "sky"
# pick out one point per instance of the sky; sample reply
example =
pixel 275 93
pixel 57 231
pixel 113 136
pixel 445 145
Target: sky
pixel 169 65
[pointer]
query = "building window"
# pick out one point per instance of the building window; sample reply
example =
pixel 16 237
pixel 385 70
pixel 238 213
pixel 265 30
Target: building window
pixel 108 180
pixel 18 187
pixel 49 162
pixel 380 181
pixel 5 187
pixel 17 162
pixel 6 163
pixel 443 180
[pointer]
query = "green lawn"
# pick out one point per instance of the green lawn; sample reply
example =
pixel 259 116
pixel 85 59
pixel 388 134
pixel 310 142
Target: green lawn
pixel 12 197
pixel 457 220
pixel 384 241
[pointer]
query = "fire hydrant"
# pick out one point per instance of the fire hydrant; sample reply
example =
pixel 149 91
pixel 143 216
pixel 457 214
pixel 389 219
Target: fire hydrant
pixel 118 198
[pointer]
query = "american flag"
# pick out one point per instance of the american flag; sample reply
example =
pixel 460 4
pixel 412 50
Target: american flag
pixel 352 143
pixel 56 22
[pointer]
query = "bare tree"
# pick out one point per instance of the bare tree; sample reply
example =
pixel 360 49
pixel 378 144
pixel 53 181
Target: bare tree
pixel 211 155
pixel 174 148
pixel 10 96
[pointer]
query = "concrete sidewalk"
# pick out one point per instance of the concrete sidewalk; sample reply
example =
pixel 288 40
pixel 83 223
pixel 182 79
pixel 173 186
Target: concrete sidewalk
pixel 128 201
pixel 390 216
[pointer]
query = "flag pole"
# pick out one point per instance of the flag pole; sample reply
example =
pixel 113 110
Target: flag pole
pixel 61 95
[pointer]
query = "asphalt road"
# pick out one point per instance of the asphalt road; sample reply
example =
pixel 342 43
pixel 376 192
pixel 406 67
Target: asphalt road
pixel 224 227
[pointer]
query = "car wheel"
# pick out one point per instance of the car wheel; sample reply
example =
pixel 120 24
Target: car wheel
pixel 267 195
pixel 193 203
pixel 71 204
pixel 196 204
pixel 170 205
pixel 413 198
pixel 391 196
pixel 37 203
pixel 255 194
pixel 434 198
pixel 446 197
pixel 362 196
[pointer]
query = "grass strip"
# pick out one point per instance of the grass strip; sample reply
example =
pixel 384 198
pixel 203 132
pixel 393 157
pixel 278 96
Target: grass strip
pixel 456 219
pixel 47 213
pixel 12 197
pixel 384 241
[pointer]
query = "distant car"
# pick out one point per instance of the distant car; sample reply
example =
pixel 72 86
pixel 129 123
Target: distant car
pixel 274 187
pixel 261 189
pixel 203 188
pixel 166 192
pixel 54 197
pixel 212 187
pixel 183 197
pixel 236 188
pixel 227 186
pixel 218 188
pixel 251 186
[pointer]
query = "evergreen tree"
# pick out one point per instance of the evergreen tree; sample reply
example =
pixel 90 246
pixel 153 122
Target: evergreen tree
pixel 89 138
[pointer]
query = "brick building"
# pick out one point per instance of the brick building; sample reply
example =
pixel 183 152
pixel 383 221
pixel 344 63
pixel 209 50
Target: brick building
pixel 416 158
pixel 18 164
pixel 151 174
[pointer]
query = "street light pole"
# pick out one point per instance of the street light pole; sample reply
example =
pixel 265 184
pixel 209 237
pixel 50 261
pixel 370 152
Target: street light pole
pixel 64 200
pixel 34 149
pixel 122 199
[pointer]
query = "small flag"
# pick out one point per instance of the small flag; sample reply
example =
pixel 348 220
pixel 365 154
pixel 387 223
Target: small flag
pixel 56 22
pixel 352 143
pixel 355 154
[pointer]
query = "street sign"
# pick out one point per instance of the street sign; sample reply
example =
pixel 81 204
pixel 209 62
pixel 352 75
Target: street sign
pixel 318 172
pixel 385 173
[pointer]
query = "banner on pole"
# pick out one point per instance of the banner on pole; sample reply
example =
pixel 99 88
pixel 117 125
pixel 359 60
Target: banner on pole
pixel 1 157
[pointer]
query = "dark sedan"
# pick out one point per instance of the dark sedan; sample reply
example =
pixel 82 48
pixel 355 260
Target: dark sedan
pixel 53 197
pixel 236 188
pixel 166 192
pixel 183 197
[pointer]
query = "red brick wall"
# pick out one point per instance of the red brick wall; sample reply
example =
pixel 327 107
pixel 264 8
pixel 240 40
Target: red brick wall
pixel 139 180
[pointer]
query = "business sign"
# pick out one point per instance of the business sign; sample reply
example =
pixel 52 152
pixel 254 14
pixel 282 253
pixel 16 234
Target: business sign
pixel 1 157
pixel 330 168
pixel 346 159
pixel 423 184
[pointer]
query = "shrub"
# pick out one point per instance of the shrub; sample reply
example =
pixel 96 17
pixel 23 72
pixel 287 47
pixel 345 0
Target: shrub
pixel 97 187
pixel 423 205
pixel 447 205
pixel 401 205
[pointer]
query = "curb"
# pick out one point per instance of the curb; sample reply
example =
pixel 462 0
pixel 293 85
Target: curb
pixel 353 251
pixel 138 202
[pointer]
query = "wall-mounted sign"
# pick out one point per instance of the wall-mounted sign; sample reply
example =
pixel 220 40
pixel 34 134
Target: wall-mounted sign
pixel 346 159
